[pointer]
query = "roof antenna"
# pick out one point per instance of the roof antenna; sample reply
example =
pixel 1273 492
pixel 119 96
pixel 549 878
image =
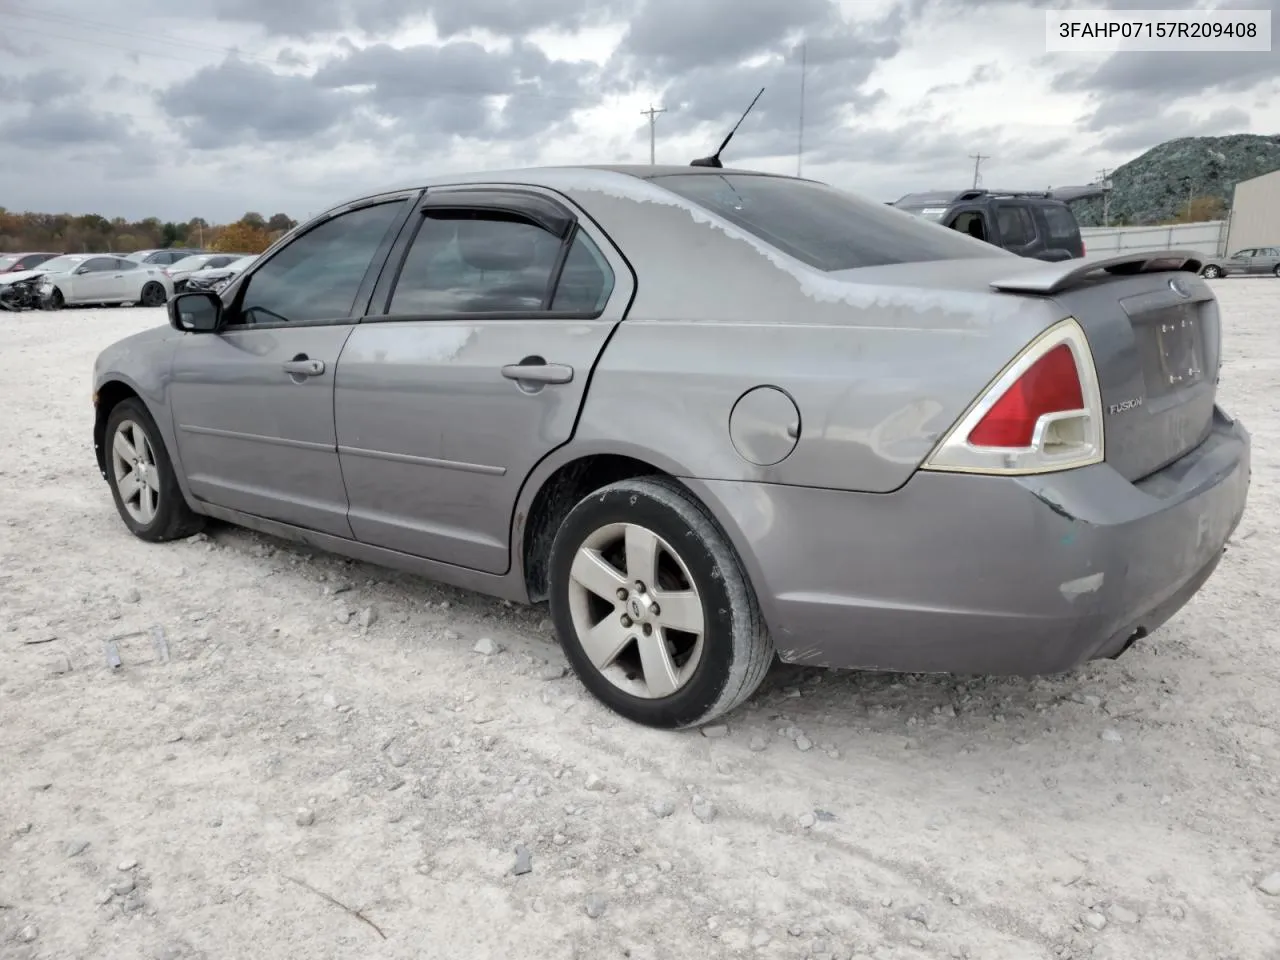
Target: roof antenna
pixel 714 159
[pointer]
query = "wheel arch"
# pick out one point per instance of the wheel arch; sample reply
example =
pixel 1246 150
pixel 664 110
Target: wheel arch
pixel 565 477
pixel 552 490
pixel 110 394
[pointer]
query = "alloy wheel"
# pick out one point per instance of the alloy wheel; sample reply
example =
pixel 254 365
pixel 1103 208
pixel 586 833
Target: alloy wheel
pixel 636 610
pixel 133 463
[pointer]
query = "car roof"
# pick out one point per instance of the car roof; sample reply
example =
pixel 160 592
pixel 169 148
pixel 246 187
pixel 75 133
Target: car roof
pixel 553 177
pixel 936 198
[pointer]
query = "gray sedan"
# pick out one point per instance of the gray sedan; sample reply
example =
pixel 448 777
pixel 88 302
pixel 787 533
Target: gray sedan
pixel 713 417
pixel 1249 262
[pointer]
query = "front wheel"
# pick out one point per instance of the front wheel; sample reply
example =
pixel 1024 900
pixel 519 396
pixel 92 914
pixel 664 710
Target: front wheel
pixel 55 300
pixel 142 478
pixel 1211 272
pixel 653 608
pixel 153 295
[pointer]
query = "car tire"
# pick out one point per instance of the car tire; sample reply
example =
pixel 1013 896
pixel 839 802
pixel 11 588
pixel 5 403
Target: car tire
pixel 692 677
pixel 1211 272
pixel 153 295
pixel 161 512
pixel 1276 271
pixel 55 300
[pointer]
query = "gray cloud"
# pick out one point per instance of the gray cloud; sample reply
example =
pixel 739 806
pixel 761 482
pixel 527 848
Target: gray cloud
pixel 218 105
pixel 40 87
pixel 65 126
pixel 437 92
pixel 700 67
pixel 1146 133
pixel 303 19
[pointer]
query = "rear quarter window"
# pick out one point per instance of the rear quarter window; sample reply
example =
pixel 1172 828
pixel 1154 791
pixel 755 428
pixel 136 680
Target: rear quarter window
pixel 821 226
pixel 1062 224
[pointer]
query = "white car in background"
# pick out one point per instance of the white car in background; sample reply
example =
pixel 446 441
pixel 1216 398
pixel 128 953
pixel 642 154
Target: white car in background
pixel 102 278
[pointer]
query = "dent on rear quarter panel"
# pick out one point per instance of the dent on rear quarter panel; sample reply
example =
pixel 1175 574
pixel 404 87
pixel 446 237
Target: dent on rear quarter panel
pixel 879 371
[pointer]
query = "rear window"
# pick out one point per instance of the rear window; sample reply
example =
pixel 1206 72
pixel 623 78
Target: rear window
pixel 1062 225
pixel 822 226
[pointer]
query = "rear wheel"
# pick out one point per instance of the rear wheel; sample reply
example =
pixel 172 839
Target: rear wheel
pixel 153 295
pixel 142 478
pixel 1211 272
pixel 653 608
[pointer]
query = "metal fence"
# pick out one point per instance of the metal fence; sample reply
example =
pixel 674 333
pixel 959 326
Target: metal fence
pixel 1208 238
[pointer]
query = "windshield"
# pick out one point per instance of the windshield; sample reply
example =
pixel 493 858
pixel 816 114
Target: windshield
pixel 61 264
pixel 6 262
pixel 824 227
pixel 240 264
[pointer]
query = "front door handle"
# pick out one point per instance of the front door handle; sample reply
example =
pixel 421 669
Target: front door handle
pixel 301 366
pixel 538 371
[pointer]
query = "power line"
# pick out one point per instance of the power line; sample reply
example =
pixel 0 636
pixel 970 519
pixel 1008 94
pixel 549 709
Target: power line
pixel 652 114
pixel 1106 196
pixel 977 159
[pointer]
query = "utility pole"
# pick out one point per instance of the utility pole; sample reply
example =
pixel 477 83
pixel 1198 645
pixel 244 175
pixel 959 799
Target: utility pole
pixel 804 64
pixel 652 114
pixel 1106 196
pixel 977 159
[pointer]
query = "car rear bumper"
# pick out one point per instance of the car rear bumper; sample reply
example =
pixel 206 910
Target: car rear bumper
pixel 985 574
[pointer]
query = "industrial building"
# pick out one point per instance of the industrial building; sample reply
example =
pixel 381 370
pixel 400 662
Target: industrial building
pixel 1255 213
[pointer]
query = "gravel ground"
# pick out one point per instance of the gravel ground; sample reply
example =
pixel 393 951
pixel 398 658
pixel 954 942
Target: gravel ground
pixel 328 765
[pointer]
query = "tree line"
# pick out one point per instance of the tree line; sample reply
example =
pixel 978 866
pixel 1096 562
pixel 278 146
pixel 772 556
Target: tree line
pixel 91 233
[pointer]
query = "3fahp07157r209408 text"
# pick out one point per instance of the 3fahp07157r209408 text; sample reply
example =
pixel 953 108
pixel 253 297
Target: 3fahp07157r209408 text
pixel 1139 29
pixel 1134 31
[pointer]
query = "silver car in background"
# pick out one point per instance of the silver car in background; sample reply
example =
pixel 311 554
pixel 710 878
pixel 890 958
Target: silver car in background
pixel 182 271
pixel 714 417
pixel 91 278
pixel 1249 262
pixel 215 278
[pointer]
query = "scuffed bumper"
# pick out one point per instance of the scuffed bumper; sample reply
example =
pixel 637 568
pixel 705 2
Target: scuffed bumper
pixel 984 574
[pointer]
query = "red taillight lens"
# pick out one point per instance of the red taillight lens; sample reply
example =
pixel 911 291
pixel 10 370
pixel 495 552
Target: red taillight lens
pixel 1083 249
pixel 1050 385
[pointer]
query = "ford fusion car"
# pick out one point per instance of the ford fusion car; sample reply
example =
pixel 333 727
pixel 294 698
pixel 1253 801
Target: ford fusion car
pixel 713 417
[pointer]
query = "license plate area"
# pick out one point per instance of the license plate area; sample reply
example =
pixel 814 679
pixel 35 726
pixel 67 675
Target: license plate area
pixel 1171 345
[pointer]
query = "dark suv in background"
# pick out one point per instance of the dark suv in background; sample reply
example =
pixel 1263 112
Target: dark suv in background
pixel 1031 224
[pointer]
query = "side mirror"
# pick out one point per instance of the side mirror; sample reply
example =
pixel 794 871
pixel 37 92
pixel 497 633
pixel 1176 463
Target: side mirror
pixel 199 312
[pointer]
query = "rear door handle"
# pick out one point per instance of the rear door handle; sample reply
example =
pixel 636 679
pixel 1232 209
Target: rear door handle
pixel 300 366
pixel 538 372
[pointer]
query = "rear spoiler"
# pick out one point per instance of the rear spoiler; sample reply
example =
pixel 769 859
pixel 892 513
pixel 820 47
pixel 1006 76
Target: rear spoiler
pixel 1050 278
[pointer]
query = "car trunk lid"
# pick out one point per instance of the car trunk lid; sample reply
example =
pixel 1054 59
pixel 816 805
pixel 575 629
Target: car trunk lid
pixel 1154 330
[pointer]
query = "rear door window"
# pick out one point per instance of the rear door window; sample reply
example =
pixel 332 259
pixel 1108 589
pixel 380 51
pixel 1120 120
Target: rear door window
pixel 821 226
pixel 476 261
pixel 1017 228
pixel 1062 225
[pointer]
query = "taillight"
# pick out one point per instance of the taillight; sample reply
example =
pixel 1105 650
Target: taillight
pixel 1050 385
pixel 1043 413
pixel 1083 249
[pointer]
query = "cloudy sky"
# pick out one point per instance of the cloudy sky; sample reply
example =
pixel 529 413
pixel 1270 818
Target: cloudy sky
pixel 214 107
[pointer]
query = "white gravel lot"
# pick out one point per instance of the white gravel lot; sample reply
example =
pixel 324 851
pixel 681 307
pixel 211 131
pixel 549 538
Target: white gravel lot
pixel 1125 811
